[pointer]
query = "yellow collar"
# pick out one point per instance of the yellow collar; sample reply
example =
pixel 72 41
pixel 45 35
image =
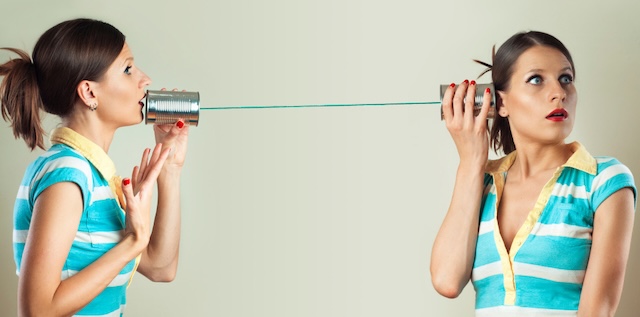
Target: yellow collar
pixel 580 159
pixel 95 154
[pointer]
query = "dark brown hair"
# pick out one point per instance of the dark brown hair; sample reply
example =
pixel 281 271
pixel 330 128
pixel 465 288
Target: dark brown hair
pixel 501 71
pixel 65 55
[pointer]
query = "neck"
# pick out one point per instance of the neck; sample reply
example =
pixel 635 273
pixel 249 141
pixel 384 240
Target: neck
pixel 92 129
pixel 532 160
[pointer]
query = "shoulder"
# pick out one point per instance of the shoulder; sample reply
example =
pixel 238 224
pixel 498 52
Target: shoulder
pixel 611 176
pixel 61 157
pixel 610 164
pixel 610 169
pixel 59 164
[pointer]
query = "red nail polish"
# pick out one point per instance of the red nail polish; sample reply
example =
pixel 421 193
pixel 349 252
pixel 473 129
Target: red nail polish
pixel 466 81
pixel 473 82
pixel 180 124
pixel 488 90
pixel 126 181
pixel 452 85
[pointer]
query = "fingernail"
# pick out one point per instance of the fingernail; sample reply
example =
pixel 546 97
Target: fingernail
pixel 180 124
pixel 488 90
pixel 466 81
pixel 473 82
pixel 126 181
pixel 452 85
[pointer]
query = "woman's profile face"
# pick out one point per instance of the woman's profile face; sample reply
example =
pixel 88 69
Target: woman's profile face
pixel 541 98
pixel 121 91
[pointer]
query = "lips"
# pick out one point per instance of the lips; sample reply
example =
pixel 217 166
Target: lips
pixel 141 102
pixel 558 115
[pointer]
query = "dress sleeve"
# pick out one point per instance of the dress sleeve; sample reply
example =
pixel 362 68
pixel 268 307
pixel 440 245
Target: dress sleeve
pixel 612 176
pixel 63 169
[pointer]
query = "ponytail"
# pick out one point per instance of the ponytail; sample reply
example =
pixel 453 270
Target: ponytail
pixel 20 99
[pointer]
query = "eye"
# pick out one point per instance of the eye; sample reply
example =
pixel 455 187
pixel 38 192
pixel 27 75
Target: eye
pixel 535 79
pixel 565 79
pixel 127 70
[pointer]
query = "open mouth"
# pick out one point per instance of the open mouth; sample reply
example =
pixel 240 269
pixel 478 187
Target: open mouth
pixel 558 115
pixel 142 101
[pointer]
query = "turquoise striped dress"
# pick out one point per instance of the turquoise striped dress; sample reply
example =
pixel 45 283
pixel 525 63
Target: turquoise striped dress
pixel 101 226
pixel 543 272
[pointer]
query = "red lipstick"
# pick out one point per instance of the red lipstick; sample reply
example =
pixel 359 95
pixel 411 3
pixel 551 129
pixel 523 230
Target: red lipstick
pixel 558 115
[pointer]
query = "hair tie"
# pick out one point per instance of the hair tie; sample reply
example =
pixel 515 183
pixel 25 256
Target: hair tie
pixel 489 66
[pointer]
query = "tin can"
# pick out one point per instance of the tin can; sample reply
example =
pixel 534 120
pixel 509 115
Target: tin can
pixel 166 107
pixel 480 88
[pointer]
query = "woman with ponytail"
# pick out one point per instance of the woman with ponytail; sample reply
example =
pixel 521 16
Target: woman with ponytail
pixel 80 231
pixel 546 229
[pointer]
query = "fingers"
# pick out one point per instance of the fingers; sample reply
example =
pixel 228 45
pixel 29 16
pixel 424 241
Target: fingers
pixel 135 180
pixel 141 174
pixel 144 162
pixel 459 103
pixel 156 162
pixel 486 104
pixel 447 103
pixel 127 190
pixel 458 100
pixel 470 101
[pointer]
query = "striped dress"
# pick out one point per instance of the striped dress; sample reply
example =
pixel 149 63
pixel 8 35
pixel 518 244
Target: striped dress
pixel 543 272
pixel 102 223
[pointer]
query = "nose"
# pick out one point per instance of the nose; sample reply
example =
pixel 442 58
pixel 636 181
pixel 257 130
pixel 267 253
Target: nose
pixel 557 92
pixel 144 80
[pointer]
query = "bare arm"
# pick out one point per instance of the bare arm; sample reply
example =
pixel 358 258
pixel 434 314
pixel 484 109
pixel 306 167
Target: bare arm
pixel 160 259
pixel 55 220
pixel 604 278
pixel 454 247
pixel 53 226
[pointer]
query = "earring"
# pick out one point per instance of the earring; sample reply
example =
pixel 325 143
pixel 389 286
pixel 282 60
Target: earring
pixel 93 106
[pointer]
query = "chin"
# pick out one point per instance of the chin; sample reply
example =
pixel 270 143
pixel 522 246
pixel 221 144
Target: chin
pixel 133 121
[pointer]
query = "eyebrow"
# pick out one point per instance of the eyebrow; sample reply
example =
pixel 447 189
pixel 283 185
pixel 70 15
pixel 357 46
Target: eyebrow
pixel 538 70
pixel 127 59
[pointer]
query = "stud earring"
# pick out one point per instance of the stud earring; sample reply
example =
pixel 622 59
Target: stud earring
pixel 93 106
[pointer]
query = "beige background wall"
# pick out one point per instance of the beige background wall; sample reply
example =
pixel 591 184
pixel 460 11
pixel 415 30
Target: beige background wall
pixel 326 211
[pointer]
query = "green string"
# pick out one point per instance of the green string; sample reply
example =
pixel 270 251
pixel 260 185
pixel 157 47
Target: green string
pixel 326 105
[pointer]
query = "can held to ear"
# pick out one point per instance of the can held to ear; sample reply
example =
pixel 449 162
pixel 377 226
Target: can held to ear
pixel 480 88
pixel 166 107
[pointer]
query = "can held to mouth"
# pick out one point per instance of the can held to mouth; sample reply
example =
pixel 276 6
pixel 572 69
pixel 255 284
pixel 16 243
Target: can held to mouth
pixel 166 107
pixel 477 105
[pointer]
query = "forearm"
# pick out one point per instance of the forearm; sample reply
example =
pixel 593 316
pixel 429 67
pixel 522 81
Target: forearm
pixel 454 247
pixel 75 292
pixel 601 298
pixel 160 259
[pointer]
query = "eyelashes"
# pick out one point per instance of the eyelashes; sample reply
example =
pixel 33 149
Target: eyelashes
pixel 537 79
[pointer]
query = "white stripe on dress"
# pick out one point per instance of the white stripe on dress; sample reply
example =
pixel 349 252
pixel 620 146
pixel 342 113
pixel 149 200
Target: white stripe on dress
pixel 66 161
pixel 549 273
pixel 99 236
pixel 487 270
pixel 562 230
pixel 510 311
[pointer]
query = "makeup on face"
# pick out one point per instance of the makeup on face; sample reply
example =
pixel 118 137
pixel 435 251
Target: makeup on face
pixel 558 115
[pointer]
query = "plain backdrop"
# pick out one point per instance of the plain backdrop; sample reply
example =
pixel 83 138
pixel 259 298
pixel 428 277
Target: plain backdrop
pixel 325 211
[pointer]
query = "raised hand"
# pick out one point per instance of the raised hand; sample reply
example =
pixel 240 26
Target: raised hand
pixel 469 132
pixel 138 191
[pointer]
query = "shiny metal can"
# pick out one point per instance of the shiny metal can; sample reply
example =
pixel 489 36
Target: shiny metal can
pixel 166 107
pixel 480 88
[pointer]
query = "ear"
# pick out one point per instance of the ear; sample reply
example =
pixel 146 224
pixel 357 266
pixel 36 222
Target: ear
pixel 504 110
pixel 85 92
